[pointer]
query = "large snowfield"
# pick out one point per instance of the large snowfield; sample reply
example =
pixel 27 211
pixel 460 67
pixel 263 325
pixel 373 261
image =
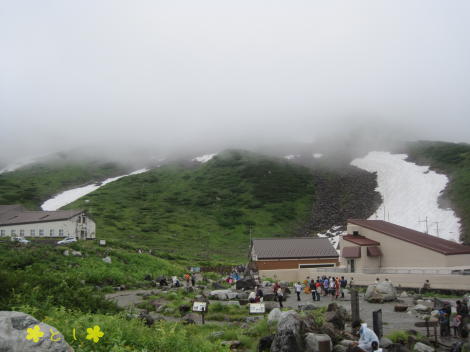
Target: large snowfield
pixel 410 194
pixel 72 195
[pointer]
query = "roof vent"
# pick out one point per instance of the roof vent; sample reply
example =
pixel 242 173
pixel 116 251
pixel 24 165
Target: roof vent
pixel 355 233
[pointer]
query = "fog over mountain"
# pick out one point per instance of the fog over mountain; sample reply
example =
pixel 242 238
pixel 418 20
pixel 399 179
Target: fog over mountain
pixel 166 75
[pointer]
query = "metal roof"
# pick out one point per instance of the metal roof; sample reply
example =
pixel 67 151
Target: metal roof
pixel 417 238
pixel 360 240
pixel 351 252
pixel 294 247
pixel 16 215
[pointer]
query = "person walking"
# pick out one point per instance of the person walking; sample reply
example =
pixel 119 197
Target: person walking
pixel 313 289
pixel 298 289
pixel 275 287
pixel 193 280
pixel 343 283
pixel 280 297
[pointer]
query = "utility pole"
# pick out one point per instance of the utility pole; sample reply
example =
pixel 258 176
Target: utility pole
pixel 425 221
pixel 437 227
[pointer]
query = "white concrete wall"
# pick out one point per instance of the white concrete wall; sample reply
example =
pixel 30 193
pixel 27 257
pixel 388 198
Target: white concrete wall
pixel 452 282
pixel 71 228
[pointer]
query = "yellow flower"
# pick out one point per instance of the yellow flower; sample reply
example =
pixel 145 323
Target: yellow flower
pixel 34 333
pixel 94 334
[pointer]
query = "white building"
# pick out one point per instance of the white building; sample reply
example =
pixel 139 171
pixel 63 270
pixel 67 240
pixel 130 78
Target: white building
pixel 15 221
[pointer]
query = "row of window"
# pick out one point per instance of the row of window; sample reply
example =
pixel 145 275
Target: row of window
pixel 32 233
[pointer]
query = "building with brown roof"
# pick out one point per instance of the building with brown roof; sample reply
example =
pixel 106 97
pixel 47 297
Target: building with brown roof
pixel 293 253
pixel 15 221
pixel 378 246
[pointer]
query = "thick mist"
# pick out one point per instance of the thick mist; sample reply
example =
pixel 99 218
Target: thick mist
pixel 159 77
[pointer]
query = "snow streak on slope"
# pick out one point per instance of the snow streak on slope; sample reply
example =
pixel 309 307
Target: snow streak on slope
pixel 72 195
pixel 410 194
pixel 204 158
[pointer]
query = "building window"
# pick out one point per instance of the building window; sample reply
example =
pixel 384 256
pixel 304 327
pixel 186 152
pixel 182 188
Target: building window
pixel 33 233
pixel 61 233
pixel 306 266
pixel 51 233
pixel 22 233
pixel 13 232
pixel 41 233
pixel 2 233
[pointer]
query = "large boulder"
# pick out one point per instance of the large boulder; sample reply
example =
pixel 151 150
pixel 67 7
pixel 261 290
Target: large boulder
pixel 290 333
pixel 269 306
pixel 247 283
pixel 421 347
pixel 382 292
pixel 274 316
pixel 313 341
pixel 14 332
pixel 337 315
pixel 264 344
pixel 222 295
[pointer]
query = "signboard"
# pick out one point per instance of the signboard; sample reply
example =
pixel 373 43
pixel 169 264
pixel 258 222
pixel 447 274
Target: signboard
pixel 102 242
pixel 257 308
pixel 195 269
pixel 199 307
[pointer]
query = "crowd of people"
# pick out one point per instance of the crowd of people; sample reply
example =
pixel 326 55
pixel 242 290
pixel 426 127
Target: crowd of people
pixel 457 322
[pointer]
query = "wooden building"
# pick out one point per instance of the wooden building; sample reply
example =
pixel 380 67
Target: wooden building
pixel 293 253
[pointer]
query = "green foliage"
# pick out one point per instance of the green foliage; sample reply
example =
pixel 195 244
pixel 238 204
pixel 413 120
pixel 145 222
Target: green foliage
pixel 452 159
pixel 401 336
pixel 41 276
pixel 205 212
pixel 33 184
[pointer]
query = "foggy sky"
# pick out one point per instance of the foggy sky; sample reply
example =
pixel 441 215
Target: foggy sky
pixel 167 74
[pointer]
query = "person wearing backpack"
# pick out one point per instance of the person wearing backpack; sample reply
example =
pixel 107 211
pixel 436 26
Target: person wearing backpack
pixel 343 284
pixel 280 297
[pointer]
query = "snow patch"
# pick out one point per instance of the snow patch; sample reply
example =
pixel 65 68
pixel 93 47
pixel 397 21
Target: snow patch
pixel 410 195
pixel 204 158
pixel 72 195
pixel 291 156
pixel 333 234
pixel 19 164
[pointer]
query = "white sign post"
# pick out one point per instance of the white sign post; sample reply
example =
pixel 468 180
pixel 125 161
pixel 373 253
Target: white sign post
pixel 200 307
pixel 257 308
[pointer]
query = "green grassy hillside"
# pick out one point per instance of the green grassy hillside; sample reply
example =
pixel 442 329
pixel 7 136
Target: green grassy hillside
pixel 207 211
pixel 454 160
pixel 33 184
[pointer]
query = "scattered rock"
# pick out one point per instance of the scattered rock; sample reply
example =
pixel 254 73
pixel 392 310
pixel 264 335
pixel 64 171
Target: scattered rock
pixel 217 334
pixel 403 294
pixel 397 347
pixel 76 253
pixel 306 306
pixel 339 348
pixel 247 283
pixel 421 308
pixel 107 260
pixel 189 319
pixel 346 343
pixel 267 284
pixel 231 303
pixel 385 342
pixel 253 319
pixel 222 295
pixel 269 306
pixel 268 297
pixel 66 253
pixel 421 347
pixel 400 308
pixel 14 328
pixel 146 318
pixel 217 286
pixel 265 343
pixel 382 292
pixel 231 344
pixel 312 342
pixel 184 308
pixel 274 316
pixel 290 333
pixel 337 315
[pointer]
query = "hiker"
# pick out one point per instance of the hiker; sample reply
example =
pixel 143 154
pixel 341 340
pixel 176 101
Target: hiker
pixel 456 324
pixel 280 296
pixel 175 281
pixel 275 287
pixel 377 280
pixel 332 287
pixel 368 340
pixel 163 282
pixel 298 289
pixel 313 289
pixel 426 287
pixel 337 288
pixel 259 294
pixel 326 285
pixel 462 308
pixel 343 283
pixel 193 280
pixel 252 297
pixel 187 277
pixel 351 283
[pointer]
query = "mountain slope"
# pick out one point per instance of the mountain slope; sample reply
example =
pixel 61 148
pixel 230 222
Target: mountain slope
pixel 453 159
pixel 205 212
pixel 33 184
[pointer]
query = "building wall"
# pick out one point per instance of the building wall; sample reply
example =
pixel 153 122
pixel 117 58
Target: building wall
pixel 450 282
pixel 364 262
pixel 398 253
pixel 291 263
pixel 71 228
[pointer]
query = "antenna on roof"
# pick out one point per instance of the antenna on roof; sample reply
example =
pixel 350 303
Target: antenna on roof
pixel 425 221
